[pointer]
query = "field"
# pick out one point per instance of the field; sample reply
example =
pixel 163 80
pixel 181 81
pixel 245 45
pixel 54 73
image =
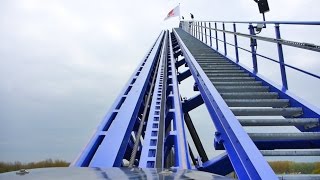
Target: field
pixel 280 167
pixel 8 166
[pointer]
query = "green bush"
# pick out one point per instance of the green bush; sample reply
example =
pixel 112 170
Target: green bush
pixel 9 166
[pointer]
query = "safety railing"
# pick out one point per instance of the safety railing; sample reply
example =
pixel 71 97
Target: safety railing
pixel 207 32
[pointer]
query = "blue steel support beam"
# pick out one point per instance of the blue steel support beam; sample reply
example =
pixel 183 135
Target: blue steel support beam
pixel 180 63
pixel 192 103
pixel 108 144
pixel 154 134
pixel 184 75
pixel 246 159
pixel 181 150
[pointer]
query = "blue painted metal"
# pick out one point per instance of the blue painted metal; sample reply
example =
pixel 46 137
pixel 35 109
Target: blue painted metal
pixel 224 40
pixel 205 32
pixel 153 134
pixel 308 109
pixel 236 43
pixel 246 158
pixel 201 32
pixel 193 29
pixel 198 31
pixel 281 59
pixel 210 34
pixel 184 75
pixel 164 132
pixel 253 45
pixel 220 164
pixel 301 23
pixel 216 32
pixel 192 103
pixel 180 63
pixel 108 145
pixel 182 159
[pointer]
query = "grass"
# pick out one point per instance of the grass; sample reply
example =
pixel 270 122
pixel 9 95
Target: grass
pixel 280 167
pixel 9 166
pixel 289 167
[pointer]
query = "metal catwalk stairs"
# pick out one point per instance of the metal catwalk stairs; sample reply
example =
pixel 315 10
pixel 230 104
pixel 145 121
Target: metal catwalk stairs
pixel 254 104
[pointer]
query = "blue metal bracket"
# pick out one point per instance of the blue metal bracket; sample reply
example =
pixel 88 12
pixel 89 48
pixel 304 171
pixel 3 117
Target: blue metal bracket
pixel 219 165
pixel 184 75
pixel 180 62
pixel 192 103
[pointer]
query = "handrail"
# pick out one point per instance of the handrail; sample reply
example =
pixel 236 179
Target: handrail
pixel 266 22
pixel 270 59
pixel 199 30
pixel 302 45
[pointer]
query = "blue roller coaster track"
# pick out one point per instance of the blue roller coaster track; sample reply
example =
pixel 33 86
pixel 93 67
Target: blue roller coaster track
pixel 146 126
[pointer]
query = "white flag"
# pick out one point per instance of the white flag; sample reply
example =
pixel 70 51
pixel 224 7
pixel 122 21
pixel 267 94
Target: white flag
pixel 174 12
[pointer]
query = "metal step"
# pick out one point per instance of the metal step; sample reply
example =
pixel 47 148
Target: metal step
pixel 213 63
pixel 231 79
pixel 205 50
pixel 307 122
pixel 244 83
pixel 290 153
pixel 224 89
pixel 257 102
pixel 285 136
pixel 285 112
pixel 229 75
pixel 204 57
pixel 221 68
pixel 251 95
pixel 224 71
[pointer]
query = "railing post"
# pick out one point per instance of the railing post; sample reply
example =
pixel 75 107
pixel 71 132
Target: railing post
pixel 224 39
pixel 201 32
pixel 210 34
pixel 198 31
pixel 281 58
pixel 193 29
pixel 236 42
pixel 215 25
pixel 205 31
pixel 253 44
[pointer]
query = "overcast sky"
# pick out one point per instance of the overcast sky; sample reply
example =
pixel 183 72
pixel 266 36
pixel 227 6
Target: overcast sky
pixel 63 62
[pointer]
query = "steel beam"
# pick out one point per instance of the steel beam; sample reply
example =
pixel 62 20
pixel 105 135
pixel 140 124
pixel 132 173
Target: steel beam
pixel 184 75
pixel 194 135
pixel 192 103
pixel 175 112
pixel 220 164
pixel 152 150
